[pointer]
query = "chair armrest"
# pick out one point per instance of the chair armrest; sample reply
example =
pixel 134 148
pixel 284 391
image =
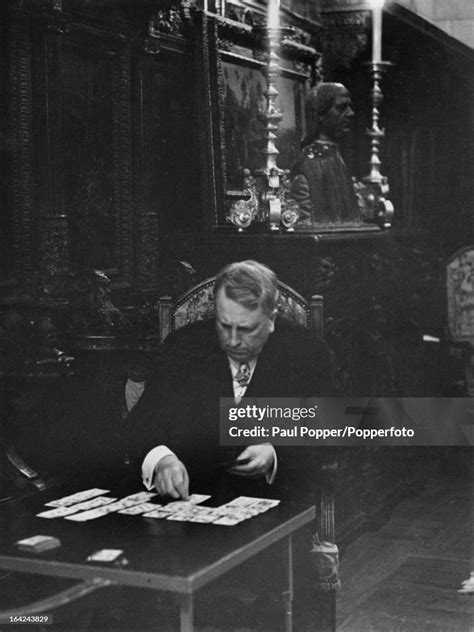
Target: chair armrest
pixel 165 304
pixel 316 306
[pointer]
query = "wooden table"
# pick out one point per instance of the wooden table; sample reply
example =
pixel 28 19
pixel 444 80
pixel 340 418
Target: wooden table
pixel 164 555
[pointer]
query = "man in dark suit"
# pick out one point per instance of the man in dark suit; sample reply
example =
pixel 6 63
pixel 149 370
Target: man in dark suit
pixel 247 350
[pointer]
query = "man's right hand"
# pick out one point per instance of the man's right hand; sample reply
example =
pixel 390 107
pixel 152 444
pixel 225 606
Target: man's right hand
pixel 171 478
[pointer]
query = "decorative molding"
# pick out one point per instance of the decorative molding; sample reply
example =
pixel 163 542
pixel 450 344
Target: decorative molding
pixel 51 5
pixel 122 172
pixel 221 95
pixel 234 31
pixel 331 6
pixel 295 46
pixel 344 37
pixel 22 185
pixel 173 20
pixel 256 14
pixel 53 272
pixel 96 324
pixel 57 23
pixel 152 46
pixel 147 251
pixel 207 71
pixel 167 21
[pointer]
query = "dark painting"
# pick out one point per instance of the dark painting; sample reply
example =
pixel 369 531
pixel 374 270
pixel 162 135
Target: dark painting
pixel 244 122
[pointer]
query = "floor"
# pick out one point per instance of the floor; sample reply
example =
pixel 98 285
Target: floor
pixel 405 576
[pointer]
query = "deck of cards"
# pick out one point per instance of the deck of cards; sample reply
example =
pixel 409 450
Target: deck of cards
pixel 92 503
pixel 38 543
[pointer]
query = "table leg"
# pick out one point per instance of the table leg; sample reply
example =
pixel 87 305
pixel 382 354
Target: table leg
pixel 287 595
pixel 186 613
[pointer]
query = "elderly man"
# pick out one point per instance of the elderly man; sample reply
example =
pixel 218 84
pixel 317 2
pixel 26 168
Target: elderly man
pixel 320 182
pixel 245 350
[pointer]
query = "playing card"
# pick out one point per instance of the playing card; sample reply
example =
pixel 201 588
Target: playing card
pixel 242 501
pixel 201 519
pixel 57 512
pixel 77 497
pixel 237 513
pixel 139 509
pixel 112 507
pixel 156 513
pixel 194 499
pixel 92 514
pixel 177 505
pixel 139 497
pixel 226 521
pixel 38 543
pixel 179 517
pixel 198 498
pixel 203 516
pixel 264 504
pixel 105 555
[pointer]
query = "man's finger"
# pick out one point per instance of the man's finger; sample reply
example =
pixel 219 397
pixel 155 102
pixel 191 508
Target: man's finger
pixel 181 484
pixel 172 480
pixel 252 468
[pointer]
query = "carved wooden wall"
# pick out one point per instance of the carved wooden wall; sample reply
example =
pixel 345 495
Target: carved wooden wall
pixel 100 142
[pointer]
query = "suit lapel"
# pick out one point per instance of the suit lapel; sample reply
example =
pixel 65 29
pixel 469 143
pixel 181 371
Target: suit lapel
pixel 266 374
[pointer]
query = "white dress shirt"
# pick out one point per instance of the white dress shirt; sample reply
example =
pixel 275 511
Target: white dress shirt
pixel 155 455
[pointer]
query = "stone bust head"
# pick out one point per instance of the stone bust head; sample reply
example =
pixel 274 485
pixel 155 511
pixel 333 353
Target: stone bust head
pixel 328 112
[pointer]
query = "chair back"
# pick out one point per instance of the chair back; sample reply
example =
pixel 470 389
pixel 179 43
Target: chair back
pixel 198 304
pixel 460 295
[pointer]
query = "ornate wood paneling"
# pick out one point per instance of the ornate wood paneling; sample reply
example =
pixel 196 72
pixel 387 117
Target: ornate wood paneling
pixel 167 192
pixel 21 168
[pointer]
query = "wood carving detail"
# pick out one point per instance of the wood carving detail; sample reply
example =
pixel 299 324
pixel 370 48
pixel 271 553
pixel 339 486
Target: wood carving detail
pixel 21 168
pixel 54 260
pixel 344 38
pixel 122 166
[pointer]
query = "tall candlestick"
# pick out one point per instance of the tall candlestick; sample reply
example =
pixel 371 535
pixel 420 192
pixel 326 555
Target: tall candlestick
pixel 273 14
pixel 377 34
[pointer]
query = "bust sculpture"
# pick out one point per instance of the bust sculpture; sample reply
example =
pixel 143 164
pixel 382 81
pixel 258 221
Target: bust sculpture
pixel 321 184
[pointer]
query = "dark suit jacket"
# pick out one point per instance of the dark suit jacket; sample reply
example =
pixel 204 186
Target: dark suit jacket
pixel 180 406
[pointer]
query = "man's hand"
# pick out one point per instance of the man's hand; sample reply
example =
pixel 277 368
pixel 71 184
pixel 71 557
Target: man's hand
pixel 256 460
pixel 171 478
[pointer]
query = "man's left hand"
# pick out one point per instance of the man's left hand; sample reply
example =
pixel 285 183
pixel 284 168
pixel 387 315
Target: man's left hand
pixel 256 460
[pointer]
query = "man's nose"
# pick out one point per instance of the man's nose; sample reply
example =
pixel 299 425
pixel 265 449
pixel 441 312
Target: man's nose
pixel 234 338
pixel 350 112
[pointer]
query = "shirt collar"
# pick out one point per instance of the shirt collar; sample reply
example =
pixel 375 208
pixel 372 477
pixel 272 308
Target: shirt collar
pixel 234 365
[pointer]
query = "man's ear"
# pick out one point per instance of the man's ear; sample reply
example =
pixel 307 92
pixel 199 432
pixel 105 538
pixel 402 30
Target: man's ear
pixel 272 319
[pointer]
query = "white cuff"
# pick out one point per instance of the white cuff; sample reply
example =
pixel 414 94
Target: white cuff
pixel 151 461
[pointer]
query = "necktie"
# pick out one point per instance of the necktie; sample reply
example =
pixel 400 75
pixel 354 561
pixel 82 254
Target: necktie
pixel 243 375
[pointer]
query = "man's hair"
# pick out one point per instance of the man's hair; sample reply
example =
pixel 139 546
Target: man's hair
pixel 319 101
pixel 249 283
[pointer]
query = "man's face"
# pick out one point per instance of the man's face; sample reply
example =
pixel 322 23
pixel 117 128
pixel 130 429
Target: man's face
pixel 242 332
pixel 337 120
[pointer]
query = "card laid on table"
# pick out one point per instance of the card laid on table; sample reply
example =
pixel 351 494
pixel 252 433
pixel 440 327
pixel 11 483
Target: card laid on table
pixel 77 497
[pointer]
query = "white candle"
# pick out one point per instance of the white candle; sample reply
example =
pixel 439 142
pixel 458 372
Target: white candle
pixel 273 14
pixel 377 34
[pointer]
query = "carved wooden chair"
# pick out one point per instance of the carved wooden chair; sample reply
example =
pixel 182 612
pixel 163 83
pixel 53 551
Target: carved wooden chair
pixel 198 304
